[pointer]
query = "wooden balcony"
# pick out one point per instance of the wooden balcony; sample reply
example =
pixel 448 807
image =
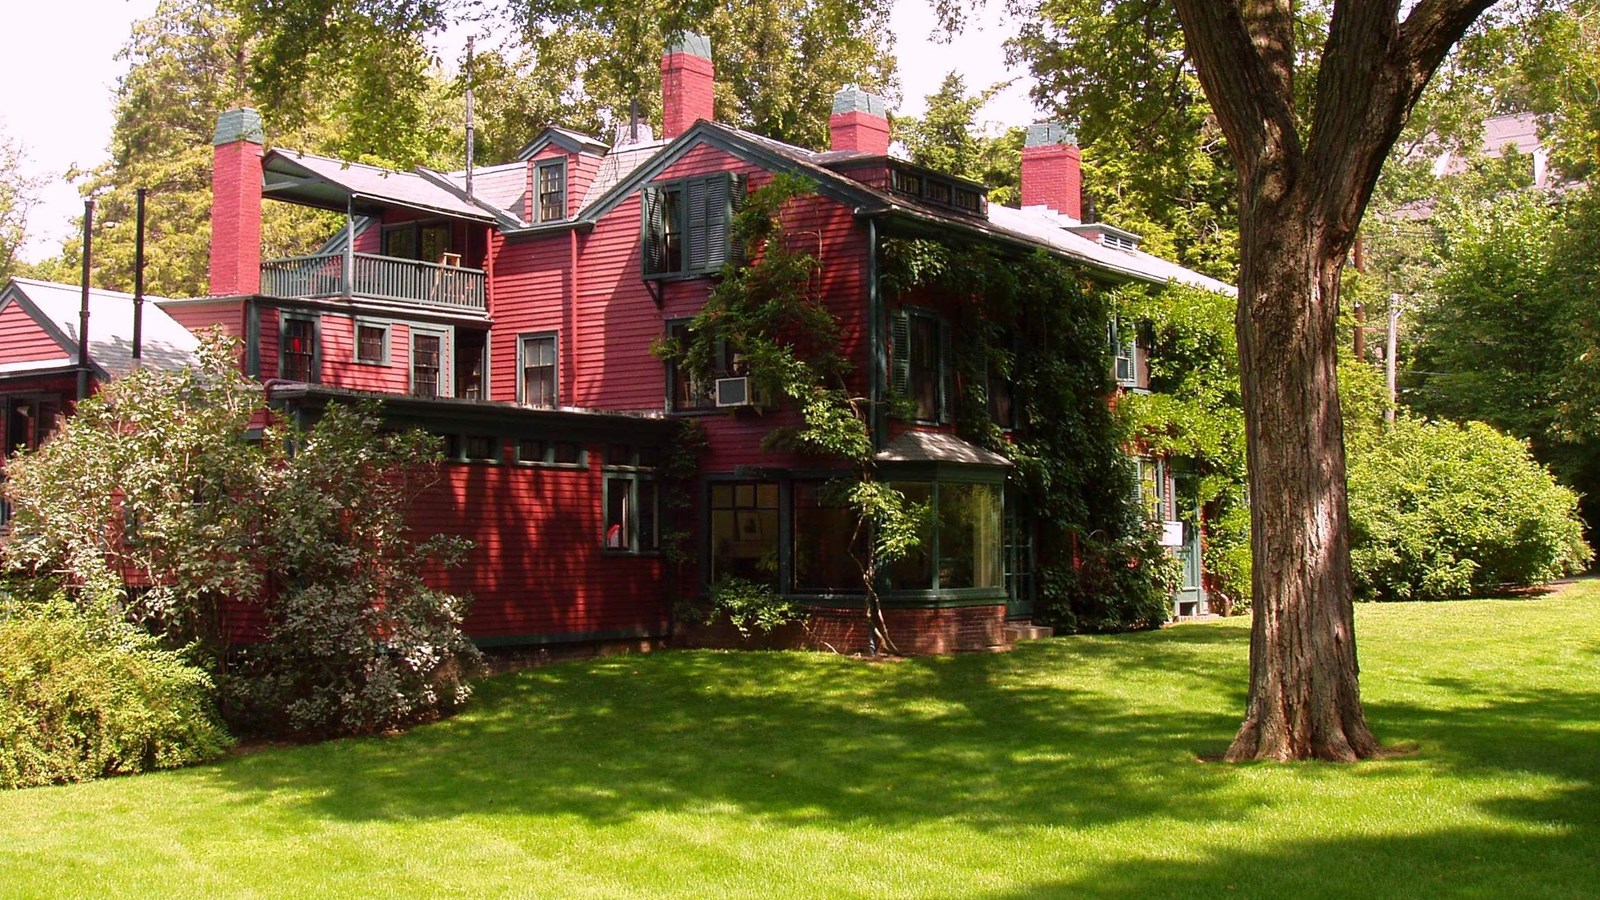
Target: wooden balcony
pixel 374 278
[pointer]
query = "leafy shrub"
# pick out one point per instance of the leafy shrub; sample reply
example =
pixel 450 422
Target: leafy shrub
pixel 82 697
pixel 339 661
pixel 751 607
pixel 1114 586
pixel 1439 510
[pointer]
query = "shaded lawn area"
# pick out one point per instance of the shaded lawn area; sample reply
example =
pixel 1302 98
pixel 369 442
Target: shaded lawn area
pixel 1065 768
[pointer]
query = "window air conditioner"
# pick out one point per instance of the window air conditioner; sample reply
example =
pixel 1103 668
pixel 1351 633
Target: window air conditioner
pixel 733 392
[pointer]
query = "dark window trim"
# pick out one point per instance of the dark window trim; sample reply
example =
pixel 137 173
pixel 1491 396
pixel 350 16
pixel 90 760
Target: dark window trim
pixel 315 319
pixel 360 322
pixel 548 460
pixel 631 543
pixel 944 405
pixel 446 383
pixel 538 190
pixel 522 340
pixel 416 226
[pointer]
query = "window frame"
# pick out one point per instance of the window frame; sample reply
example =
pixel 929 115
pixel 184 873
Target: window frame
pixel 900 368
pixel 718 250
pixel 416 227
pixel 635 477
pixel 1124 352
pixel 314 319
pixel 445 385
pixel 540 168
pixel 674 373
pixel 384 325
pixel 523 340
pixel 547 458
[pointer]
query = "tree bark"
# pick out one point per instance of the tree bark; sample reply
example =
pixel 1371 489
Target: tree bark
pixel 1302 192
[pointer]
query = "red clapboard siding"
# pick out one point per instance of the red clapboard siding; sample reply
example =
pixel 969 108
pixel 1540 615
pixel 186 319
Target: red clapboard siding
pixel 530 290
pixel 339 366
pixel 23 340
pixel 228 314
pixel 537 567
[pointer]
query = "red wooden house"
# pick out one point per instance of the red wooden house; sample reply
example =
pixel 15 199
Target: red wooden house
pixel 513 310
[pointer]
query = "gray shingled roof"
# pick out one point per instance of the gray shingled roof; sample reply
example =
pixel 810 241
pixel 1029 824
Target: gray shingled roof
pixel 320 181
pixel 166 344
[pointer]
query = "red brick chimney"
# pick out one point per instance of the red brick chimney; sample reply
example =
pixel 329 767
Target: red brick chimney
pixel 686 83
pixel 859 123
pixel 236 203
pixel 1052 171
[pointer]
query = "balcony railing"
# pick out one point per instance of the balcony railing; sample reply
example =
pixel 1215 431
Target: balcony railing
pixel 374 277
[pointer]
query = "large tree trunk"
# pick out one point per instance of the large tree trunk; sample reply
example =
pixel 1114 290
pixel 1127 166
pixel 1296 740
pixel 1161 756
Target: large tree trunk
pixel 1302 191
pixel 1304 700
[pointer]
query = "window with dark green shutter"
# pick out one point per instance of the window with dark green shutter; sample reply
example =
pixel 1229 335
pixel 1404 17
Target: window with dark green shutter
pixel 919 364
pixel 687 227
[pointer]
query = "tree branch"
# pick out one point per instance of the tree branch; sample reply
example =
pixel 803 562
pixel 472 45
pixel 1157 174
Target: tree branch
pixel 1243 53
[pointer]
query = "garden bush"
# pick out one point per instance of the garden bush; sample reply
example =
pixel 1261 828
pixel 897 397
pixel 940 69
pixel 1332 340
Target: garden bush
pixel 83 696
pixel 1439 510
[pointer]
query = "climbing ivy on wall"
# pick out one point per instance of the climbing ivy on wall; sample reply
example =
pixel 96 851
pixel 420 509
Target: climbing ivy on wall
pixel 1035 320
pixel 769 314
pixel 1194 411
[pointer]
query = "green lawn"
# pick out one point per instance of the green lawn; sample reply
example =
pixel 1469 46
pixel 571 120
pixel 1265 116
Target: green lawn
pixel 1068 767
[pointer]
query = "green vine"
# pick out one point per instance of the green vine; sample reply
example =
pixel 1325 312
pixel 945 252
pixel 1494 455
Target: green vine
pixel 769 315
pixel 1036 322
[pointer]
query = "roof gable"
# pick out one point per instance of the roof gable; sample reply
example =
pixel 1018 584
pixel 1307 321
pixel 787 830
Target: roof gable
pixel 565 138
pixel 55 308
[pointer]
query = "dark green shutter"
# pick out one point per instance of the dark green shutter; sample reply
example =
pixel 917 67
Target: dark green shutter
pixel 719 208
pixel 947 394
pixel 654 231
pixel 696 194
pixel 899 353
pixel 736 194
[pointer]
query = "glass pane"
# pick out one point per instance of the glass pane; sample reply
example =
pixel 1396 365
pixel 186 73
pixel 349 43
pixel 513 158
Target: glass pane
pixel 969 536
pixel 567 452
pixel 822 531
pixel 744 534
pixel 648 514
pixel 914 571
pixel 618 455
pixel 400 243
pixel 426 350
pixel 745 495
pixel 617 503
pixel 370 340
pixel 924 347
pixel 435 243
pixel 722 496
pixel 530 451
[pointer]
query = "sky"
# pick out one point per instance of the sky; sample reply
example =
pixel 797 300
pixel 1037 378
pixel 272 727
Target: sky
pixel 60 69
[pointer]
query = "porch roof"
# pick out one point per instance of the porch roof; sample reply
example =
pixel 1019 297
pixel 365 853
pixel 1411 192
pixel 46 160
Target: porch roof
pixel 338 185
pixel 937 447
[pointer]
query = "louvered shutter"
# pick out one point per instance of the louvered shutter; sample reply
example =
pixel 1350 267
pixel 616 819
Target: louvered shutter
pixel 654 231
pixel 699 244
pixel 736 196
pixel 899 353
pixel 719 212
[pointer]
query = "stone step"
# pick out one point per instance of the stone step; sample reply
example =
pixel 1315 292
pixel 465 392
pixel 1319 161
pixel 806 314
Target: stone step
pixel 1022 631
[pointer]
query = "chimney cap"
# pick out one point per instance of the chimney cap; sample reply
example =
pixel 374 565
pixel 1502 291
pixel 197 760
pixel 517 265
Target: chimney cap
pixel 1045 134
pixel 690 43
pixel 852 100
pixel 242 124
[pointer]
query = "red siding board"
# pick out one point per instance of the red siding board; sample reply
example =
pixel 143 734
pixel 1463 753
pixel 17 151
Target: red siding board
pixel 24 340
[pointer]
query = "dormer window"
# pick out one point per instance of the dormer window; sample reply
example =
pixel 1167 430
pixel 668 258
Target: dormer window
pixel 552 183
pixel 934 189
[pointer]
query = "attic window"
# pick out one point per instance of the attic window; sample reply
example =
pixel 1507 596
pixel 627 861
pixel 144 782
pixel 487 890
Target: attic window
pixel 933 190
pixel 1118 242
pixel 553 191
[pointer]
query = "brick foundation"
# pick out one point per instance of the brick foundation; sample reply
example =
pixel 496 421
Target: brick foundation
pixel 915 632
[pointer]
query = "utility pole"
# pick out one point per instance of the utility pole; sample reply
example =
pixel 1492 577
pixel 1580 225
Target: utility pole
pixel 1389 354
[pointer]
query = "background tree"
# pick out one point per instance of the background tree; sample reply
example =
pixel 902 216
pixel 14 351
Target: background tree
pixel 778 61
pixel 18 194
pixel 949 138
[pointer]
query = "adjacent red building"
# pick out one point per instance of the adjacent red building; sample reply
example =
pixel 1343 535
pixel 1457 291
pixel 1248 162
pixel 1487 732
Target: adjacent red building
pixel 513 312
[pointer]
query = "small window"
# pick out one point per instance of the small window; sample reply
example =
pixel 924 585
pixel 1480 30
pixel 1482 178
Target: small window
pixel 532 451
pixel 372 343
pixel 428 362
pixel 939 192
pixel 906 183
pixel 632 513
pixel 1125 351
pixel 552 191
pixel 297 351
pixel 567 453
pixel 480 448
pixel 538 383
pixel 968 200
